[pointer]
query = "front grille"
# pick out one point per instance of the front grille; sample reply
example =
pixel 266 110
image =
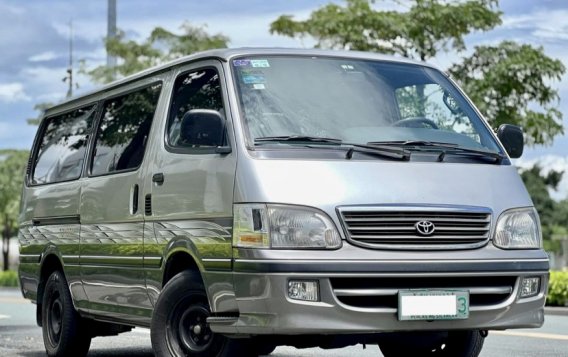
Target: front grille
pixel 382 292
pixel 396 229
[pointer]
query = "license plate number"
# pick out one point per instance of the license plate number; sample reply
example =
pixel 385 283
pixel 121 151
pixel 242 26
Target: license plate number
pixel 433 304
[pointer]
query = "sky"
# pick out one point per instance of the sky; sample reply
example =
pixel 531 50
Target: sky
pixel 34 36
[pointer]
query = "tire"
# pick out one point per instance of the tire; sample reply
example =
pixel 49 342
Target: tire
pixel 179 326
pixel 64 333
pixel 445 344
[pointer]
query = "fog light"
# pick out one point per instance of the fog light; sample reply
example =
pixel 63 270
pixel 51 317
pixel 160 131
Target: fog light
pixel 530 287
pixel 303 290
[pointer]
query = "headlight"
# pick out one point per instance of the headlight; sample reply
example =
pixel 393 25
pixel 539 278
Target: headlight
pixel 279 226
pixel 518 229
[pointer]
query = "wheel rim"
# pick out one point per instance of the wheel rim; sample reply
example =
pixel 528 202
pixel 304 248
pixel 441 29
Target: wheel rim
pixel 188 328
pixel 55 319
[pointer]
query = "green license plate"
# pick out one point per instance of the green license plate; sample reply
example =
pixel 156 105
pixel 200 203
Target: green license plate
pixel 433 304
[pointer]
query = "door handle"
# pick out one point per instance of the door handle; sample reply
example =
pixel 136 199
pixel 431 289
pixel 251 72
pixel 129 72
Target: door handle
pixel 158 178
pixel 135 199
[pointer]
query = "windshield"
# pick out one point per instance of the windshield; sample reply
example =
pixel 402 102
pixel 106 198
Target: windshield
pixel 357 101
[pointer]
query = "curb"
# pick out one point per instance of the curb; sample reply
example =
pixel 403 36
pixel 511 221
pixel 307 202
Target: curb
pixel 556 311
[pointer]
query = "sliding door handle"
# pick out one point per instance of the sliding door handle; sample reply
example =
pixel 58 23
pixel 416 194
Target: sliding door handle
pixel 134 202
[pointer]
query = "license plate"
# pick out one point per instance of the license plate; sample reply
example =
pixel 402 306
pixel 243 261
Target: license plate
pixel 433 304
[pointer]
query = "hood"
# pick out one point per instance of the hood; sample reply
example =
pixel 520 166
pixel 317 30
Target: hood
pixel 327 184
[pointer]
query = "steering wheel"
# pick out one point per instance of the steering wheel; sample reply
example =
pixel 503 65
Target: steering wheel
pixel 416 122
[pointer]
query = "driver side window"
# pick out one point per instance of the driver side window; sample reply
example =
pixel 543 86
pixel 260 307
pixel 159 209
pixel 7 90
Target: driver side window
pixel 431 102
pixel 195 90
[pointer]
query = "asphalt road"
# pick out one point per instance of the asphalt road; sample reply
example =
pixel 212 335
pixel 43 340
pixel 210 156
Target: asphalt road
pixel 19 336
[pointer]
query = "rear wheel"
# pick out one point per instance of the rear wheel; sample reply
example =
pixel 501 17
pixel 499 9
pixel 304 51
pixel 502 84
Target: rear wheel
pixel 439 344
pixel 63 331
pixel 179 324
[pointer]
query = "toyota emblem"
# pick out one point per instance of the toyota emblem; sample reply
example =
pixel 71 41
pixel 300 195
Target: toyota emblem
pixel 425 228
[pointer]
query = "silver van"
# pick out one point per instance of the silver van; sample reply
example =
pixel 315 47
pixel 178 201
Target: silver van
pixel 236 200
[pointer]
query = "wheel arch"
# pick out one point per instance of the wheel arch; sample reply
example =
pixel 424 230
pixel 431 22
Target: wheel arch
pixel 178 260
pixel 51 261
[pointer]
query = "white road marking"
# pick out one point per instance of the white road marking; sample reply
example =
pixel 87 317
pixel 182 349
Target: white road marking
pixel 4 317
pixel 142 330
pixel 548 336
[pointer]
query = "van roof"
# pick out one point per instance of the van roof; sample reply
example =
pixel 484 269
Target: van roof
pixel 227 54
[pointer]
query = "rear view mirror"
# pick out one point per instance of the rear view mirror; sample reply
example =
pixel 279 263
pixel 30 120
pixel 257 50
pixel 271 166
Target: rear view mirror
pixel 511 136
pixel 203 128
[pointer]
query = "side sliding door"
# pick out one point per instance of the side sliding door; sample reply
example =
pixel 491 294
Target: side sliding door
pixel 112 219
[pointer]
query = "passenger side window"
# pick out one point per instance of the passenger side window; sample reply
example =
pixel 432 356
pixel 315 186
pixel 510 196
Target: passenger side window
pixel 200 89
pixel 62 146
pixel 123 131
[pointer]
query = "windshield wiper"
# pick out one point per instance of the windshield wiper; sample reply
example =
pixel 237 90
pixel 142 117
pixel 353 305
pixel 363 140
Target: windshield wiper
pixel 299 138
pixel 448 148
pixel 389 152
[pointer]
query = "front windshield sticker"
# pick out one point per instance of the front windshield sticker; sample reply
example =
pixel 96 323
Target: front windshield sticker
pixel 253 76
pixel 241 63
pixel 258 86
pixel 259 63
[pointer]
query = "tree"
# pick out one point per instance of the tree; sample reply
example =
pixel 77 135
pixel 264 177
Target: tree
pixel 12 170
pixel 40 108
pixel 538 185
pixel 504 81
pixel 161 46
pixel 421 32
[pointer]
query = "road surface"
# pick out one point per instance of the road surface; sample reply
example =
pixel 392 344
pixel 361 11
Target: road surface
pixel 19 336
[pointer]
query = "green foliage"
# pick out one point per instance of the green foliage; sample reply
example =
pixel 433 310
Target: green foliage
pixel 506 80
pixel 557 289
pixel 12 170
pixel 8 278
pixel 538 186
pixel 161 46
pixel 41 108
pixel 428 26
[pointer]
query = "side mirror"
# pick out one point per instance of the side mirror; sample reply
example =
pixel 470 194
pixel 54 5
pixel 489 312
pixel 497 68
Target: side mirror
pixel 511 136
pixel 203 128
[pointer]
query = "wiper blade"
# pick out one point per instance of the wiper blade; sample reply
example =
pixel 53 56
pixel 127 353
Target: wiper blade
pixel 377 150
pixel 450 148
pixel 388 152
pixel 414 143
pixel 299 138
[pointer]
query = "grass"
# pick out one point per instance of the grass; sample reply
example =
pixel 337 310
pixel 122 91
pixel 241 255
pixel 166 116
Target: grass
pixel 8 278
pixel 558 289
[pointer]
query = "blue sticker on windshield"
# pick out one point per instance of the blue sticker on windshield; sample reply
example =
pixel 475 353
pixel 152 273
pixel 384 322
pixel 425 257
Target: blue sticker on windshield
pixel 253 78
pixel 241 63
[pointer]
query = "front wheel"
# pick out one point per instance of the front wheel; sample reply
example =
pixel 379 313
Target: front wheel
pixel 64 332
pixel 439 344
pixel 179 323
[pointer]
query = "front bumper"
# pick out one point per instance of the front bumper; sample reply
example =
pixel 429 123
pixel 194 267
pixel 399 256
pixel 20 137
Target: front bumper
pixel 264 307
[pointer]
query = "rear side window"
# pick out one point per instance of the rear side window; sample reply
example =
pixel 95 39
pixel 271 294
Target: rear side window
pixel 200 89
pixel 62 146
pixel 123 131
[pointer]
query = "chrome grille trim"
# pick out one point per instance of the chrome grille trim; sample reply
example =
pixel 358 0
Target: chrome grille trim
pixel 392 226
pixel 498 290
pixel 382 292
